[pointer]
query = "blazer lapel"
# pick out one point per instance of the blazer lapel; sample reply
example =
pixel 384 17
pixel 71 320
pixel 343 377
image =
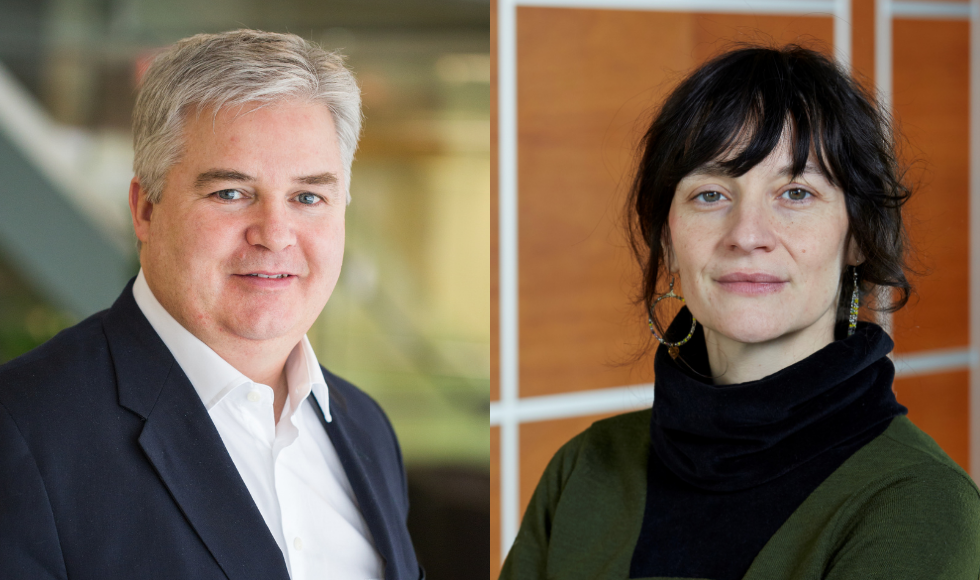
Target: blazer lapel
pixel 181 442
pixel 362 472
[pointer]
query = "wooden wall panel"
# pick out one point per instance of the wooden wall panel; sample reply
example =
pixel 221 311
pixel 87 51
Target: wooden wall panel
pixel 931 89
pixel 863 41
pixel 937 405
pixel 716 33
pixel 584 78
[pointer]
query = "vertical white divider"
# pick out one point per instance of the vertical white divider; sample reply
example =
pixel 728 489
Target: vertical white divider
pixel 842 32
pixel 883 80
pixel 509 375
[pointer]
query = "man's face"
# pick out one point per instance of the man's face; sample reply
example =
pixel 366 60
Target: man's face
pixel 248 237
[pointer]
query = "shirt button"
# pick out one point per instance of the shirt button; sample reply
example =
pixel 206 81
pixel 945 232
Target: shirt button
pixel 297 543
pixel 254 396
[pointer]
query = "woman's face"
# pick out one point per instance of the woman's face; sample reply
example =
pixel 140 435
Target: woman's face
pixel 759 256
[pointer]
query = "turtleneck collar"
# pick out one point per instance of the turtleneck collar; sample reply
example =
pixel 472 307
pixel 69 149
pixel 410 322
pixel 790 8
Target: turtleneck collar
pixel 731 437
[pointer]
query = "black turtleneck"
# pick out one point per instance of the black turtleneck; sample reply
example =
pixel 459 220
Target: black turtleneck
pixel 728 464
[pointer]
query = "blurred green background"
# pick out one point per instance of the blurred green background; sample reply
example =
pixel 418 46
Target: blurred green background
pixel 410 320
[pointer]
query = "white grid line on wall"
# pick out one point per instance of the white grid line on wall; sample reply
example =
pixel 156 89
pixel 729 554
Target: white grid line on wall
pixel 714 6
pixel 511 410
pixel 931 10
pixel 622 399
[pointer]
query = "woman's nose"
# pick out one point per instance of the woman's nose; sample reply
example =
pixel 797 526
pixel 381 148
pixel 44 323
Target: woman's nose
pixel 750 227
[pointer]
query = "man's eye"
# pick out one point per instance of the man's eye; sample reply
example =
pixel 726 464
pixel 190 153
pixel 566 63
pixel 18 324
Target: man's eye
pixel 709 196
pixel 228 194
pixel 796 194
pixel 307 198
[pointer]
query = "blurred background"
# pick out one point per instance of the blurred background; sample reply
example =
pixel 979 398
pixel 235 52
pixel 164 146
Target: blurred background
pixel 410 319
pixel 579 82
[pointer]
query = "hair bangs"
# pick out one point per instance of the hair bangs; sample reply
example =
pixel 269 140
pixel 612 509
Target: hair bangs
pixel 741 126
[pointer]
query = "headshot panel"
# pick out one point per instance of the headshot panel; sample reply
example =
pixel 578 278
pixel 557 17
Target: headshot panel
pixel 698 207
pixel 240 281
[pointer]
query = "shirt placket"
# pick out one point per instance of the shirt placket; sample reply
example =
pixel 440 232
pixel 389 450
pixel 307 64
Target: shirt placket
pixel 289 491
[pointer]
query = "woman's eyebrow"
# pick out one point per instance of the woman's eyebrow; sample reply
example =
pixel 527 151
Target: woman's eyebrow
pixel 712 168
pixel 717 169
pixel 809 169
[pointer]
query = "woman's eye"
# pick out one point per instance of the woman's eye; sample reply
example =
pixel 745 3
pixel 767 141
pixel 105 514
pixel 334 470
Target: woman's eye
pixel 307 198
pixel 797 194
pixel 709 196
pixel 229 194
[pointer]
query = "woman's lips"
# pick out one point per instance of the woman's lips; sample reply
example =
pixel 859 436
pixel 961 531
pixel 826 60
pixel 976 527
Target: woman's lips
pixel 751 283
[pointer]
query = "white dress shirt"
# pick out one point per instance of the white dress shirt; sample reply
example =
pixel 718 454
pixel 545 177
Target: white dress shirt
pixel 291 469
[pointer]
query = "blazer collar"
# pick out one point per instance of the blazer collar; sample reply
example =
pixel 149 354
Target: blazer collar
pixel 366 477
pixel 182 444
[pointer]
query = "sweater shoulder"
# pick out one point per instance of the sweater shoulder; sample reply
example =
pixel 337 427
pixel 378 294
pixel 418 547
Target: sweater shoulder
pixel 903 459
pixel 607 449
pixel 612 437
pixel 906 466
pixel 909 445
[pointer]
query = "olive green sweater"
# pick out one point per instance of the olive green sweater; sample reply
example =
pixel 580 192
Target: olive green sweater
pixel 899 508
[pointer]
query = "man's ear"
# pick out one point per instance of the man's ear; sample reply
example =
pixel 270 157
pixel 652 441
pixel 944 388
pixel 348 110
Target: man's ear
pixel 141 210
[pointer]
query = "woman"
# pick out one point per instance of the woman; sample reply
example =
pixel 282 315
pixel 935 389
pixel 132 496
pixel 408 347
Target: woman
pixel 768 195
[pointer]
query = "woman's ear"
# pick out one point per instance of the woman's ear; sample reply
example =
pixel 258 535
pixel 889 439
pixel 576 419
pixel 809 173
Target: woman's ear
pixel 854 254
pixel 670 260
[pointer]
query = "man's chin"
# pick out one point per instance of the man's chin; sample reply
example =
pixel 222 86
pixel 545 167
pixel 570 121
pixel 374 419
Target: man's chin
pixel 264 327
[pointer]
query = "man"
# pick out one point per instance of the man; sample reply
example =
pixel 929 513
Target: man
pixel 188 431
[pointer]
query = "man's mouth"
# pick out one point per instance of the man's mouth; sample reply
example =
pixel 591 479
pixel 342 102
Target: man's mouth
pixel 269 275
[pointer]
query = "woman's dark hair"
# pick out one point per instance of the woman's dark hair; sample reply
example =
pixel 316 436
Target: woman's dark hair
pixel 733 111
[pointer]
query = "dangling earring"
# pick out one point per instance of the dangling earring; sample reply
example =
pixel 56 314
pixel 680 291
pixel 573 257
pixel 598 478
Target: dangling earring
pixel 673 348
pixel 852 320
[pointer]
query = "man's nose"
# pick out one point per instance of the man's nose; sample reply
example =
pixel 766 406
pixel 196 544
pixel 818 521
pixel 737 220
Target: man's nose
pixel 751 226
pixel 271 226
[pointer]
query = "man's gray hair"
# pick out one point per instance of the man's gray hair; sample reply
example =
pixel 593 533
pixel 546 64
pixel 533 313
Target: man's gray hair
pixel 211 71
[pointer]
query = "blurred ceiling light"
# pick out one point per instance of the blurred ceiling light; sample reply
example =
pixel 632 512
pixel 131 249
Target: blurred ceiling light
pixel 458 69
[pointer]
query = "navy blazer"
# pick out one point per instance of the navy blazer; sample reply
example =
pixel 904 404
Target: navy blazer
pixel 111 468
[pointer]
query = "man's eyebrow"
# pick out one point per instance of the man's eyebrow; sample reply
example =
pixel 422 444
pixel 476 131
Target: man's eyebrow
pixel 326 178
pixel 212 175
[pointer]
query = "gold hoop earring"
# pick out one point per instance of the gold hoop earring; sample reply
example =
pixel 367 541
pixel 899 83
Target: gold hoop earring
pixel 673 348
pixel 852 319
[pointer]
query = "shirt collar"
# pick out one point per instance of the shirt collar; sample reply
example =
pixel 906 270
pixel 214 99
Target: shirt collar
pixel 212 376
